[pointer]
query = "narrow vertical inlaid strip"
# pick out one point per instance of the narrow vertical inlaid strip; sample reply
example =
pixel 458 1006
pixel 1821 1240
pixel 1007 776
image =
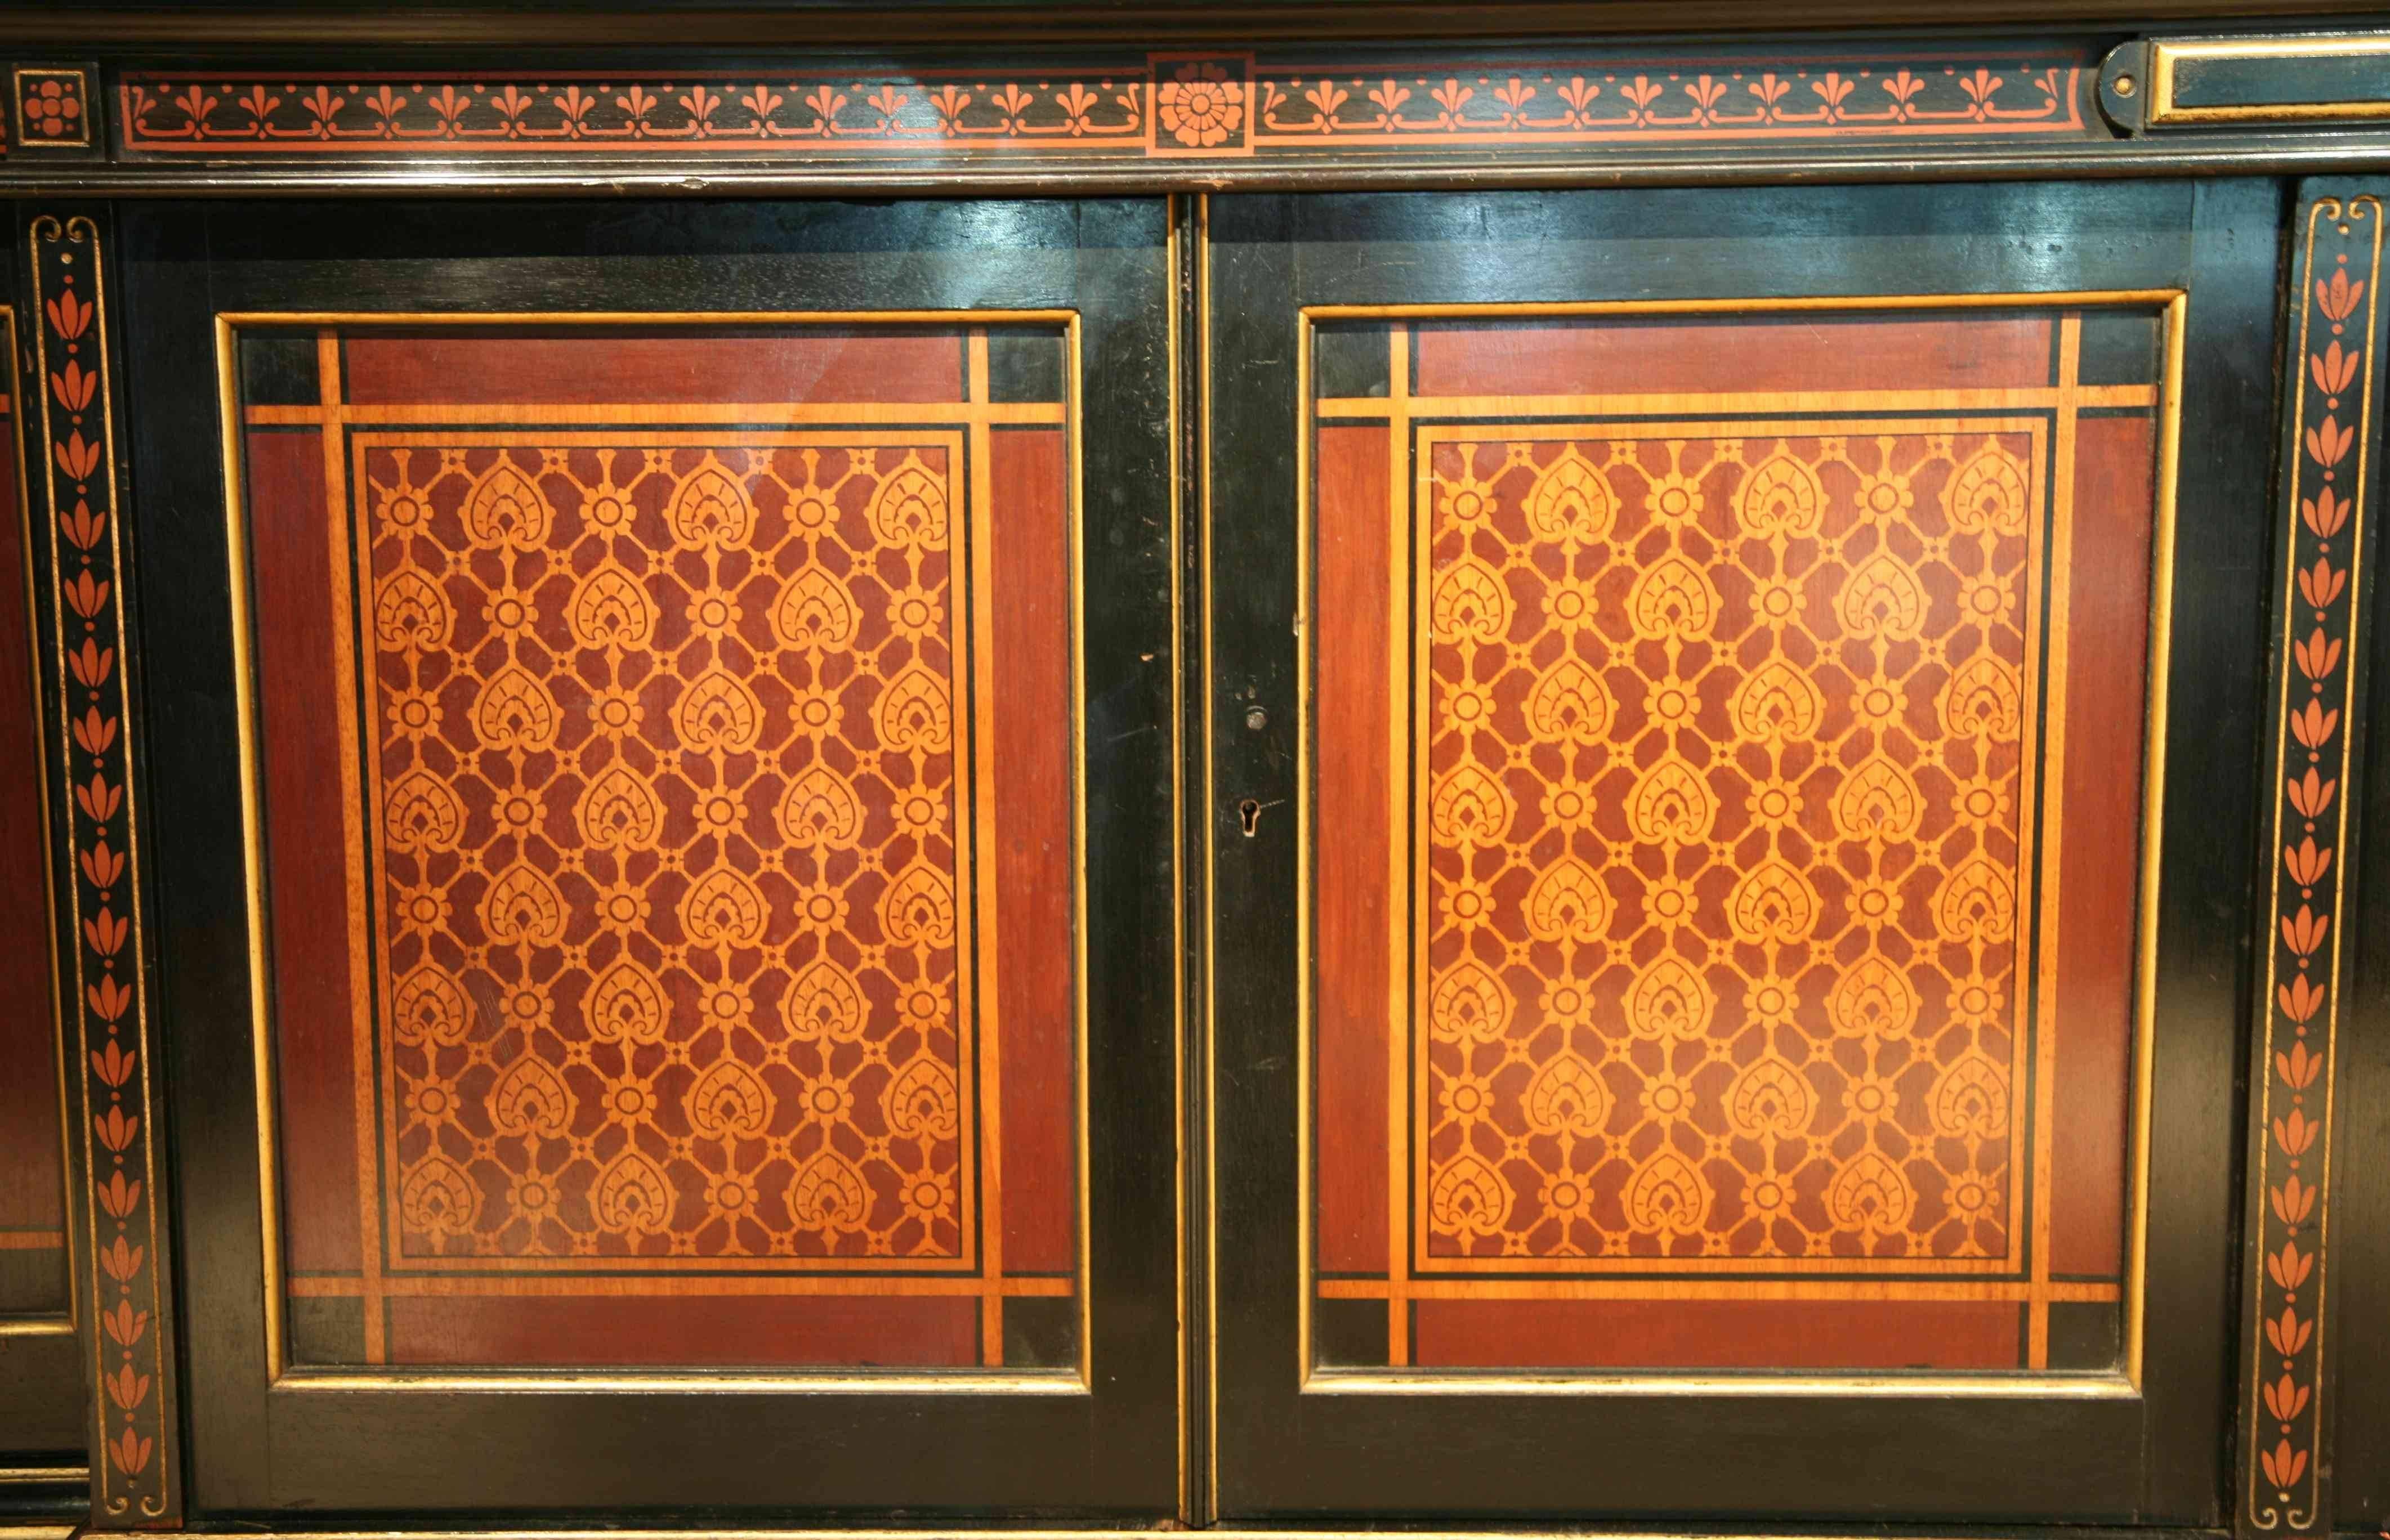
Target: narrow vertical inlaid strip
pixel 232 446
pixel 338 520
pixel 122 1264
pixel 2153 783
pixel 978 960
pixel 1405 901
pixel 1306 1065
pixel 1182 1291
pixel 1082 1144
pixel 1200 271
pixel 2284 1484
pixel 2051 618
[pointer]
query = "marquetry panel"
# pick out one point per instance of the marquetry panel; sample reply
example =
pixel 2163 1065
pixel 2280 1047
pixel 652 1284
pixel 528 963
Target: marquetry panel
pixel 1734 999
pixel 610 808
pixel 685 878
pixel 1710 784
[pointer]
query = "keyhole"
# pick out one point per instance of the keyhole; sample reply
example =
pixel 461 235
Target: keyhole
pixel 1248 813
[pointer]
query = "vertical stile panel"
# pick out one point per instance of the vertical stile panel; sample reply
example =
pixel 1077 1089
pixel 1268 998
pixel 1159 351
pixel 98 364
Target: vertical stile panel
pixel 123 1276
pixel 2330 478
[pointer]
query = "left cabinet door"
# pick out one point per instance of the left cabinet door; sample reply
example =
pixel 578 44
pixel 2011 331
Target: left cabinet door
pixel 659 718
pixel 41 1363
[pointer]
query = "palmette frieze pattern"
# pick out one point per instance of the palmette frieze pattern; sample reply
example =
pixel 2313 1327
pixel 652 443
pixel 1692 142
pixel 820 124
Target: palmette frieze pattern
pixel 1722 919
pixel 121 1251
pixel 2332 392
pixel 1223 104
pixel 667 836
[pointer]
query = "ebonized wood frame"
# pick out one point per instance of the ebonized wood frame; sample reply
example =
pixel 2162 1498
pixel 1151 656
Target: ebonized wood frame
pixel 106 41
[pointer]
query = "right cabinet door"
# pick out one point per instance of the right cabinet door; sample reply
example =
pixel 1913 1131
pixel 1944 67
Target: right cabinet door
pixel 1734 737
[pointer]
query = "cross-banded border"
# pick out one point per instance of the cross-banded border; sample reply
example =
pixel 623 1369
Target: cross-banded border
pixel 2335 309
pixel 121 1261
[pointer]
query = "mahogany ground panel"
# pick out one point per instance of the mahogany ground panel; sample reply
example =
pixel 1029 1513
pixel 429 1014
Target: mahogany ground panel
pixel 1724 895
pixel 667 807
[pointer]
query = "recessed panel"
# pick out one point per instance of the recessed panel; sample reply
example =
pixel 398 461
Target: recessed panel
pixel 667 802
pixel 1728 755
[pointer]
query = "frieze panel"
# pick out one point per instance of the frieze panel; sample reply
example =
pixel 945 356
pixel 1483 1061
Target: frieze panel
pixel 1223 104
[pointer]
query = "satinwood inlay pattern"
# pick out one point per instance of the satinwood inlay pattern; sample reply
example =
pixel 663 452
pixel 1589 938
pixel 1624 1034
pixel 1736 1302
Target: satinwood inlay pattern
pixel 670 834
pixel 1721 921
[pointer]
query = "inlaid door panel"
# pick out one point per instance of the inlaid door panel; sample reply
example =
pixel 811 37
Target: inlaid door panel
pixel 675 852
pixel 1716 804
pixel 676 886
pixel 1722 976
pixel 41 1374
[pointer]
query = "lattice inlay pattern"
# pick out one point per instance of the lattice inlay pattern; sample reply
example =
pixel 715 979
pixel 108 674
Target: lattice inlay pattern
pixel 665 750
pixel 1719 923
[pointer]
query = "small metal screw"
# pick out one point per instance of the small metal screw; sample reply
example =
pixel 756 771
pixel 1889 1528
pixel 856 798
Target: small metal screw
pixel 2124 86
pixel 1256 719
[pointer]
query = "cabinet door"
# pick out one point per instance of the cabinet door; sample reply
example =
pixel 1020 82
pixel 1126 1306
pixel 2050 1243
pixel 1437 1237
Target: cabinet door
pixel 659 741
pixel 1733 723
